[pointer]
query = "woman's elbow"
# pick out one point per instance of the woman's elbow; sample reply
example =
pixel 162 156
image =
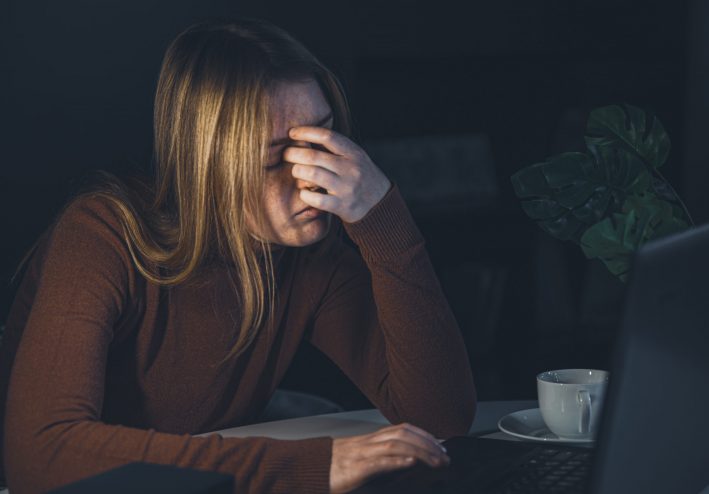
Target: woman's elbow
pixel 37 453
pixel 462 415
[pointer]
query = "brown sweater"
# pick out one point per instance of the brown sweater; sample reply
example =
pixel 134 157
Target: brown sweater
pixel 110 369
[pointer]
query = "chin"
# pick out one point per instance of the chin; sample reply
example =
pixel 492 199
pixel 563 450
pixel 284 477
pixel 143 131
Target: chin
pixel 308 233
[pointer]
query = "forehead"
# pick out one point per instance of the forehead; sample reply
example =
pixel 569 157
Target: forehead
pixel 296 103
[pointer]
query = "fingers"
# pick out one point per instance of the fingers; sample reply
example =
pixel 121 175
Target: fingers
pixel 384 464
pixel 310 156
pixel 331 203
pixel 354 181
pixel 423 438
pixel 403 448
pixel 408 440
pixel 324 202
pixel 332 141
pixel 315 175
pixel 315 167
pixel 357 459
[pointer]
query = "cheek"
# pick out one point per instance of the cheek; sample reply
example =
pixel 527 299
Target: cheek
pixel 279 190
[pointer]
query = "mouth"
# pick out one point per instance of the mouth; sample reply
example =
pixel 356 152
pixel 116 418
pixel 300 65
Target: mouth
pixel 309 212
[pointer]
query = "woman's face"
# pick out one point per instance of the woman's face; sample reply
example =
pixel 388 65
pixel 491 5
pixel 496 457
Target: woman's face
pixel 288 220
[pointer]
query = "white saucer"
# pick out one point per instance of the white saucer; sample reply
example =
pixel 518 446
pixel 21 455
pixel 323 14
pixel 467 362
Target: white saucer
pixel 529 425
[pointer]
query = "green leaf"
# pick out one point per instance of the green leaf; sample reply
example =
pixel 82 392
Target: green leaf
pixel 554 188
pixel 608 241
pixel 531 182
pixel 614 239
pixel 623 170
pixel 564 227
pixel 631 128
pixel 541 209
pixel 571 191
pixel 612 200
pixel 669 227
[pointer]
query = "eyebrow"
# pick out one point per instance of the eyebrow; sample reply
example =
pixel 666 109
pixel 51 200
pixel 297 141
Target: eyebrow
pixel 286 140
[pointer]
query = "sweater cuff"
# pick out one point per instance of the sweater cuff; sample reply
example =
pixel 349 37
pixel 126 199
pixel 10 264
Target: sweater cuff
pixel 387 230
pixel 308 472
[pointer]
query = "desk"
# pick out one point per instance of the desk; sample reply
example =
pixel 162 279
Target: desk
pixel 366 421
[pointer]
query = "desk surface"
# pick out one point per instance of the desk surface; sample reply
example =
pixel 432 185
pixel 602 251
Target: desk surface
pixel 366 421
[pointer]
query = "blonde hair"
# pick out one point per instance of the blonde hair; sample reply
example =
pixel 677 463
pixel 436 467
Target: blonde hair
pixel 212 131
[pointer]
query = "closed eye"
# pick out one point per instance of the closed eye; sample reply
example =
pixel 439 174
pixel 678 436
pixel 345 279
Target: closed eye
pixel 274 166
pixel 279 164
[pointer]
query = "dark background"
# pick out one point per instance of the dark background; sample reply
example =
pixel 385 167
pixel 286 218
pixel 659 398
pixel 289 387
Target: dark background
pixel 78 78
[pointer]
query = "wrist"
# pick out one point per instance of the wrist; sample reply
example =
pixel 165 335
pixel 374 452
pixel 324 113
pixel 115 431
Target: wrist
pixel 387 230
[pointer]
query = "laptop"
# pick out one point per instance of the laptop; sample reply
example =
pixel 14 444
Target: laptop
pixel 654 431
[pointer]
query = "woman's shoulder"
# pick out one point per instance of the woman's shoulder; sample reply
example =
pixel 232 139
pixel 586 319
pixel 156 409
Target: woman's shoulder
pixel 89 228
pixel 87 206
pixel 84 243
pixel 88 216
pixel 103 206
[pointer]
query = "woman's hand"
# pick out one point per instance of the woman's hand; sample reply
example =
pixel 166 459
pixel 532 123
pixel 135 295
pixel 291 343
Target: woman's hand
pixel 357 459
pixel 353 182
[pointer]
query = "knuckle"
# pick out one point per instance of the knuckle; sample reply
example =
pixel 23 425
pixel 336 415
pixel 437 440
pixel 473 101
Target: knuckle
pixel 306 172
pixel 412 428
pixel 307 153
pixel 401 432
pixel 317 200
pixel 290 154
pixel 330 204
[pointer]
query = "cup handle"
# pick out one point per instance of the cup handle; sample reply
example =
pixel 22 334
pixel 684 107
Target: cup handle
pixel 584 400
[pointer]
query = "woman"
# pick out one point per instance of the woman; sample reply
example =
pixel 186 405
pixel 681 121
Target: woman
pixel 152 313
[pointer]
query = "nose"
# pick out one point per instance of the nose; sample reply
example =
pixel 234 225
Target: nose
pixel 304 184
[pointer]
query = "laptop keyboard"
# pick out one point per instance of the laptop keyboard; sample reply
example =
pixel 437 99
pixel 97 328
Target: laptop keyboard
pixel 494 466
pixel 548 470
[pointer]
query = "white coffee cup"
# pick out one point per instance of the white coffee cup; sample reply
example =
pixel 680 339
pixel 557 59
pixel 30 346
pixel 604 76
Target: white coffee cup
pixel 571 401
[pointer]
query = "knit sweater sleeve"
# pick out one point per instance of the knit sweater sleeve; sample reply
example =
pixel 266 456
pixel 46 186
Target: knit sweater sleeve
pixel 386 323
pixel 54 434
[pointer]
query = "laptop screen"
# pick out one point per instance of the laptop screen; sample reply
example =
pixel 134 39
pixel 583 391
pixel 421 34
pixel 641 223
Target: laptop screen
pixel 654 435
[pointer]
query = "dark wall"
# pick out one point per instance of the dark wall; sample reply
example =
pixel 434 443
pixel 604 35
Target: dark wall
pixel 77 85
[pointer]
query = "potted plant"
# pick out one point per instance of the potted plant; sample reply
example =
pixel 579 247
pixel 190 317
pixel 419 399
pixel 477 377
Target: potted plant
pixel 611 199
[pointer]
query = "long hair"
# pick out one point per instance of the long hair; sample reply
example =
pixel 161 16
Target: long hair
pixel 212 131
